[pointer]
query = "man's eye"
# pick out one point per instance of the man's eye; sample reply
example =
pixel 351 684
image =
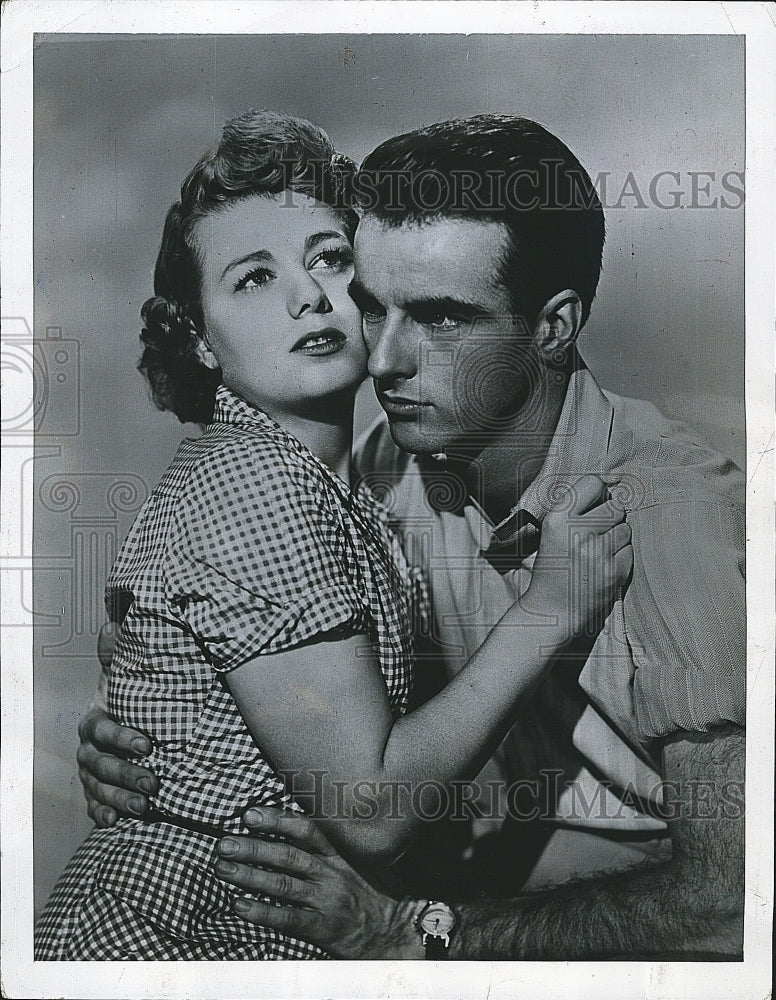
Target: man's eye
pixel 443 322
pixel 254 279
pixel 336 257
pixel 373 315
pixel 438 320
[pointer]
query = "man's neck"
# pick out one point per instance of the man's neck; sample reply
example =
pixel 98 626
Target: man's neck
pixel 501 471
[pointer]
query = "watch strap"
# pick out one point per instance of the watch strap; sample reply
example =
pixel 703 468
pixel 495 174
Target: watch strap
pixel 437 948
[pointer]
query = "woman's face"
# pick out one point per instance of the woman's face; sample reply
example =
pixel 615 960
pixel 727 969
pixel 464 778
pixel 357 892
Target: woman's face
pixel 275 303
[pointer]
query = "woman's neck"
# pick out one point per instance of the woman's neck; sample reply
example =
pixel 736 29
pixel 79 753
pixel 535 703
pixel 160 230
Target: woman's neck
pixel 327 432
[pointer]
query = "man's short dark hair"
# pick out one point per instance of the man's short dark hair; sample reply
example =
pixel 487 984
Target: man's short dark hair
pixel 502 169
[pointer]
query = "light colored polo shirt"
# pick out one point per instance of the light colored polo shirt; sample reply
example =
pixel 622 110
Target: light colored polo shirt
pixel 670 658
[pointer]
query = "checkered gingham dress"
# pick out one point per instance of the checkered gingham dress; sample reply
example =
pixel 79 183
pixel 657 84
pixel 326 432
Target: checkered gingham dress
pixel 248 545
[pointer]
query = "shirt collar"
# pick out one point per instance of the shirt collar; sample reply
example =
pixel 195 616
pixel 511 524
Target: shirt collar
pixel 233 409
pixel 578 447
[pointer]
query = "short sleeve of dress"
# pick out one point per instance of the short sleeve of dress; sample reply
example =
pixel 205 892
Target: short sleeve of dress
pixel 256 560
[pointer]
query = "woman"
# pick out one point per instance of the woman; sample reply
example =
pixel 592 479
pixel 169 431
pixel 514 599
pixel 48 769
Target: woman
pixel 266 647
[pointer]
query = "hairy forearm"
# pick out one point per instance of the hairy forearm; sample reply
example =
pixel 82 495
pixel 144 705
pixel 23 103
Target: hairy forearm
pixel 690 905
pixel 660 910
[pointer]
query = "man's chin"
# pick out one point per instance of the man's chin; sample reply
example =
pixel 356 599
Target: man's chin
pixel 411 438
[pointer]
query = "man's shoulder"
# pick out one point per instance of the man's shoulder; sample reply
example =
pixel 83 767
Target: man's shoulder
pixel 646 420
pixel 680 464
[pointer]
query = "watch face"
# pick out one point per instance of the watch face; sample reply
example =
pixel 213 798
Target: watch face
pixel 437 919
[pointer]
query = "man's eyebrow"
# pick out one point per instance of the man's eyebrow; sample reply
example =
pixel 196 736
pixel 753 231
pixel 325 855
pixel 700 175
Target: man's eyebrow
pixel 432 303
pixel 447 304
pixel 357 291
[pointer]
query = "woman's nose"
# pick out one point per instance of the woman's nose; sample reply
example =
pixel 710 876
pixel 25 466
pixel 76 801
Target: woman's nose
pixel 307 295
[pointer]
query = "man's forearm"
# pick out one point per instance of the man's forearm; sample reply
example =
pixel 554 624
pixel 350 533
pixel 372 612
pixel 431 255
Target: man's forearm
pixel 690 905
pixel 100 696
pixel 651 912
pixel 106 642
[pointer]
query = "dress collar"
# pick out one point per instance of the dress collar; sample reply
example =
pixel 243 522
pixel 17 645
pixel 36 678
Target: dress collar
pixel 233 409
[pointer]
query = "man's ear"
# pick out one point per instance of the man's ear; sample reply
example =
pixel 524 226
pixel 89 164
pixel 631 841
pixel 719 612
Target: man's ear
pixel 557 326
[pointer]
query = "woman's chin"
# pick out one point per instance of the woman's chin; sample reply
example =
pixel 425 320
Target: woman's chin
pixel 334 381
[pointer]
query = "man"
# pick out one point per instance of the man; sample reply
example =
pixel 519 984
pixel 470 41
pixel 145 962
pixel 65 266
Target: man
pixel 610 820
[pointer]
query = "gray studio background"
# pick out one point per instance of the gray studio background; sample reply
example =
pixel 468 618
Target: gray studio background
pixel 119 121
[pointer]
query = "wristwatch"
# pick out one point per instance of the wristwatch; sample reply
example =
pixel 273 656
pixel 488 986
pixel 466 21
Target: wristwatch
pixel 436 923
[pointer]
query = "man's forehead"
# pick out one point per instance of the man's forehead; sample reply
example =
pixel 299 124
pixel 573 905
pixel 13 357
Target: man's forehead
pixel 419 253
pixel 429 230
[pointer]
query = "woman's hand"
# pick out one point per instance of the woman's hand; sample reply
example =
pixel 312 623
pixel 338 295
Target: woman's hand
pixel 113 786
pixel 321 898
pixel 585 558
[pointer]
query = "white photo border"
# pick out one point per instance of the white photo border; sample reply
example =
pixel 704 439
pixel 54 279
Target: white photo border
pixel 751 979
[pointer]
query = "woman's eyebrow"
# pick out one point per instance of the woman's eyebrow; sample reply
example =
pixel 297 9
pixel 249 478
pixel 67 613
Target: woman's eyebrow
pixel 263 256
pixel 316 238
pixel 258 256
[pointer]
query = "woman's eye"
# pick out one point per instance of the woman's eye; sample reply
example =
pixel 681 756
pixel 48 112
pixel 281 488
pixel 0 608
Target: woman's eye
pixel 254 279
pixel 337 257
pixel 372 315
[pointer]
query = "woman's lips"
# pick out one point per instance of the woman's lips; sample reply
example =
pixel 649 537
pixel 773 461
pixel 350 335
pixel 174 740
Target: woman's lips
pixel 320 343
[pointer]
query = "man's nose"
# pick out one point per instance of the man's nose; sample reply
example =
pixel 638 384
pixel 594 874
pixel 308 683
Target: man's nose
pixel 307 295
pixel 393 350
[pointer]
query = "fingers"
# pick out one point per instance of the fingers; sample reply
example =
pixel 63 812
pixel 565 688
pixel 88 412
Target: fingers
pixel 587 492
pixel 621 535
pixel 294 827
pixel 609 556
pixel 121 800
pixel 590 493
pixel 277 854
pixel 102 816
pixel 99 729
pixel 305 924
pixel 601 518
pixel 587 511
pixel 278 885
pixel 110 770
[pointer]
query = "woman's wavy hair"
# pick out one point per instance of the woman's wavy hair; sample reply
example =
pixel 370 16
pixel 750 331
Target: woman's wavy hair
pixel 260 153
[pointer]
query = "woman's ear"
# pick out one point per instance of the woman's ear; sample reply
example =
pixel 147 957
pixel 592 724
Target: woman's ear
pixel 557 326
pixel 204 352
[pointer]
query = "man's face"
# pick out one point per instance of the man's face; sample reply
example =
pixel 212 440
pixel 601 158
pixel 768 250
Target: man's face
pixel 450 362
